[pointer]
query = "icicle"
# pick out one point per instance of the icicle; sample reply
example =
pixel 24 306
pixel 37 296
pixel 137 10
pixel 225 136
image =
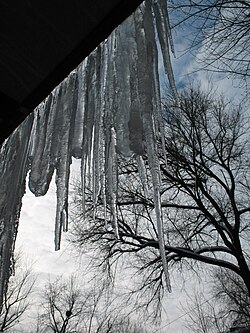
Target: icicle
pixel 109 105
pixel 42 157
pixel 104 199
pixel 156 93
pixel 88 124
pixel 13 169
pixel 77 141
pixel 103 88
pixel 93 114
pixel 158 213
pixel 164 8
pixel 143 175
pixel 128 122
pixel 157 111
pixel 163 30
pixel 83 184
pixel 145 90
pixel 109 133
pixel 112 181
pixel 65 123
pixel 96 153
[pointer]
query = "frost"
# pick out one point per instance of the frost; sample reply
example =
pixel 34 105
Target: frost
pixel 111 104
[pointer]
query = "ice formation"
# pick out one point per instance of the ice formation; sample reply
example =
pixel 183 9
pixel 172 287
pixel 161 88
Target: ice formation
pixel 109 105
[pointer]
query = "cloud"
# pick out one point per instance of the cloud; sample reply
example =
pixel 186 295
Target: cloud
pixel 189 66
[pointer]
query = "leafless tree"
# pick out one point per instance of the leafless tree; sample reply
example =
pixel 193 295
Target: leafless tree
pixel 221 28
pixel 69 307
pixel 64 306
pixel 17 298
pixel 228 305
pixel 205 194
pixel 231 293
pixel 203 316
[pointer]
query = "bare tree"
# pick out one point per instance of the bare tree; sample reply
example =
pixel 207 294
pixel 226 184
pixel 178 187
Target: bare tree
pixel 231 293
pixel 221 28
pixel 228 305
pixel 203 316
pixel 205 198
pixel 17 298
pixel 68 307
pixel 64 306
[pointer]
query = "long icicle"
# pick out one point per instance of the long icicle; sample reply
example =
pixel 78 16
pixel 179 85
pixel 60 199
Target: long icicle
pixel 145 89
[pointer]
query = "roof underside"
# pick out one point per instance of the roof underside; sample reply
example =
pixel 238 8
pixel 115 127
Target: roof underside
pixel 42 42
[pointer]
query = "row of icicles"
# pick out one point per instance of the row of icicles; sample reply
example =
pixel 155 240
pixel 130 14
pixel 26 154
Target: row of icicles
pixel 111 104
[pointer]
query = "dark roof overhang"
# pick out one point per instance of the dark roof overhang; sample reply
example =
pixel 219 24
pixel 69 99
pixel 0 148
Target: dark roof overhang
pixel 42 41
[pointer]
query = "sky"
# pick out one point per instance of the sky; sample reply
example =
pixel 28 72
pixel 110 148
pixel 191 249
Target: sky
pixel 36 243
pixel 36 229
